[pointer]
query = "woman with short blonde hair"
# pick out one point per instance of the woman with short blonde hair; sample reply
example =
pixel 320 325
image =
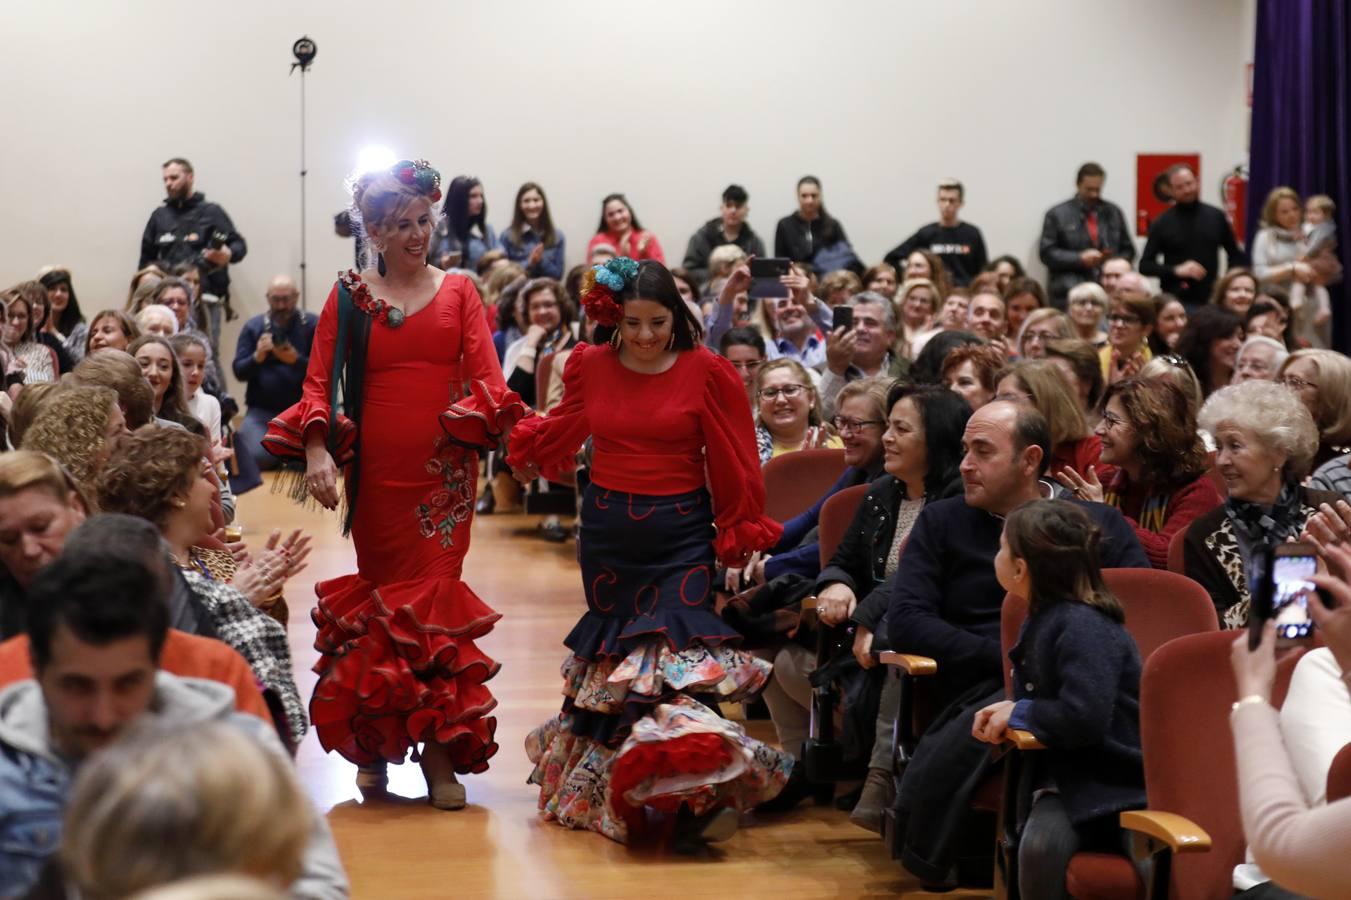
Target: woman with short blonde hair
pixel 167 803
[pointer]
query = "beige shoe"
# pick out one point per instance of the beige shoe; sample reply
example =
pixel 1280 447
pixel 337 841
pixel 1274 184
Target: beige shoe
pixel 444 790
pixel 878 795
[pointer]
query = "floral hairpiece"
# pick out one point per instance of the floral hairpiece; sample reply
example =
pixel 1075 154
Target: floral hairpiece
pixel 419 173
pixel 601 283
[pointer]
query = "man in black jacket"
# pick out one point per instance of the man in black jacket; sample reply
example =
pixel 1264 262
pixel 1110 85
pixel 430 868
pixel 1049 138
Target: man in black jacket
pixel 1077 236
pixel 1183 249
pixel 959 244
pixel 728 228
pixel 944 602
pixel 188 228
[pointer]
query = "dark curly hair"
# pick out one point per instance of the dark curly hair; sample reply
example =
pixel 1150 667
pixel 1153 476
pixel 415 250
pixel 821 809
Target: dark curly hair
pixel 654 282
pixel 149 470
pixel 1170 449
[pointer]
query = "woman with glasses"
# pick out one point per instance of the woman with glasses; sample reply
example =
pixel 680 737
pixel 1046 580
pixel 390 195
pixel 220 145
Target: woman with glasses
pixel 1259 358
pixel 860 420
pixel 1210 345
pixel 35 360
pixel 1039 384
pixel 1148 431
pixel 1129 325
pixel 922 449
pixel 744 348
pixel 1322 379
pixel 788 411
pixel 1039 329
pixel 1087 306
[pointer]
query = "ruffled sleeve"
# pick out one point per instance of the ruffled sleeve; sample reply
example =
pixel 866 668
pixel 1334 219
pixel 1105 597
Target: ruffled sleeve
pixel 734 468
pixel 551 442
pixel 285 436
pixel 490 409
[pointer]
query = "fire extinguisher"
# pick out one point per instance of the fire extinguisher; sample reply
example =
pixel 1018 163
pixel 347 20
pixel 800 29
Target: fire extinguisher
pixel 1234 190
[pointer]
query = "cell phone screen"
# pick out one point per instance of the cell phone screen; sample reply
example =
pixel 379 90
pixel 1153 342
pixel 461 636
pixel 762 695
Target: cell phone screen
pixel 1290 593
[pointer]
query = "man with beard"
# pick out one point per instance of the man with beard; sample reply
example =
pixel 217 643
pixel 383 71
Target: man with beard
pixel 188 228
pixel 1183 250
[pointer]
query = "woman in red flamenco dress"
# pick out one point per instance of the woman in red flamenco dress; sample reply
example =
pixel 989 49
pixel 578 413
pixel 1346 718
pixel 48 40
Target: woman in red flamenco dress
pixel 421 391
pixel 675 487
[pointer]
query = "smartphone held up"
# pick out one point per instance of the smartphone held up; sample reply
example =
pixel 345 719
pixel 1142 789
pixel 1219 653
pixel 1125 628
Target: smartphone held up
pixel 1282 592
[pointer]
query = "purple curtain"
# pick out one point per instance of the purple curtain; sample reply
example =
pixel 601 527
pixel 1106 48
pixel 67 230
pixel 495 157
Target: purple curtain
pixel 1301 118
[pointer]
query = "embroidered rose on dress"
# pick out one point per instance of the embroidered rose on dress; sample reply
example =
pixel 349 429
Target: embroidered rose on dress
pixel 445 507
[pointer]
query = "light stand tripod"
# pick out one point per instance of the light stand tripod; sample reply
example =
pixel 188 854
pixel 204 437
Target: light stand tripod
pixel 304 50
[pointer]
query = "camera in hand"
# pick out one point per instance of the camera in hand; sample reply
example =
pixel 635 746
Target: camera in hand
pixel 1282 592
pixel 218 239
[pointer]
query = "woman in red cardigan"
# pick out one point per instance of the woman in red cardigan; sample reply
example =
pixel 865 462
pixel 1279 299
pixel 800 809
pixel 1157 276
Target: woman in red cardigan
pixel 1148 431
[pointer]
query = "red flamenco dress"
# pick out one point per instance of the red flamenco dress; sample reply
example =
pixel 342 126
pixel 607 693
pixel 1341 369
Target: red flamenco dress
pixel 398 664
pixel 650 656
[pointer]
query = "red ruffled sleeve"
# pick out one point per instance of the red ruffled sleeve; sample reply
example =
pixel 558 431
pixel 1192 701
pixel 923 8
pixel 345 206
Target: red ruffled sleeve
pixel 734 468
pixel 285 436
pixel 551 442
pixel 490 409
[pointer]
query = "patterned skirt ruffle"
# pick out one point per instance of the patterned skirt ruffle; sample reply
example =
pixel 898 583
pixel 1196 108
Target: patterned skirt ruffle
pixel 674 750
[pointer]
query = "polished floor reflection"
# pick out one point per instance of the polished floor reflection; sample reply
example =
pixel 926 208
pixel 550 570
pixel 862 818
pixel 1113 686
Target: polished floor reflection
pixel 498 847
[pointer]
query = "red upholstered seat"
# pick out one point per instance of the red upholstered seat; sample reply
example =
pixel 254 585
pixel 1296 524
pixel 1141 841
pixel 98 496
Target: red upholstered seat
pixel 794 481
pixel 836 515
pixel 1103 876
pixel 1176 561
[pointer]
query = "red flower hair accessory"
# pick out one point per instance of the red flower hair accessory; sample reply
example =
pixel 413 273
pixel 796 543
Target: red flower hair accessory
pixel 418 173
pixel 599 286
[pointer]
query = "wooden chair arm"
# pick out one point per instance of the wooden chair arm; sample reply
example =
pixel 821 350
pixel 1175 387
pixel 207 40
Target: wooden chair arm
pixel 1178 833
pixel 810 609
pixel 909 663
pixel 1023 740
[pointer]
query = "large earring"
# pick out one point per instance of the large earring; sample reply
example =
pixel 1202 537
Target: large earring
pixel 670 345
pixel 615 340
pixel 380 264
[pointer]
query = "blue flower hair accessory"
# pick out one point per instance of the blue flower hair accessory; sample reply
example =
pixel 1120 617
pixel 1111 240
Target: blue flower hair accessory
pixel 601 283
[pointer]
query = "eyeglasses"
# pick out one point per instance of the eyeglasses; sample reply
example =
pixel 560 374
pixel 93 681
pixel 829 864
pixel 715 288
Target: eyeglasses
pixel 789 391
pixel 1175 360
pixel 1294 382
pixel 1113 420
pixel 750 366
pixel 1122 319
pixel 1040 336
pixel 850 426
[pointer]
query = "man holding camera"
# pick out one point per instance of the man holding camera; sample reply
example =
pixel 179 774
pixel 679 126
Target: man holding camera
pixel 270 359
pixel 188 228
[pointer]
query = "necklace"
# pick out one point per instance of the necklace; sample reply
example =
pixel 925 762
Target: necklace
pixel 377 309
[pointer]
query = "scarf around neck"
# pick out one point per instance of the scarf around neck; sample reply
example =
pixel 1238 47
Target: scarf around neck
pixel 1261 524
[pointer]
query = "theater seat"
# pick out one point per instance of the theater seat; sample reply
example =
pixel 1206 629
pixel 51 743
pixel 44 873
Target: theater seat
pixel 795 481
pixel 1177 561
pixel 836 516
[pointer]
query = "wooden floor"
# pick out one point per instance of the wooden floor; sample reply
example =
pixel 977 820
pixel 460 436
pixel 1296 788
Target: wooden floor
pixel 498 847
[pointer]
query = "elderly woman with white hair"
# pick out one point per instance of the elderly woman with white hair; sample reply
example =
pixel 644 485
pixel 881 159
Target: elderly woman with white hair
pixel 157 319
pixel 1266 442
pixel 1259 358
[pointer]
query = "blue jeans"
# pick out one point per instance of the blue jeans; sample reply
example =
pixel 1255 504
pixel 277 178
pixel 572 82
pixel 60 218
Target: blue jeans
pixel 250 457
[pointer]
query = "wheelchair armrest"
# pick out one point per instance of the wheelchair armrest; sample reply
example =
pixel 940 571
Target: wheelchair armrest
pixel 909 663
pixel 1023 740
pixel 1178 833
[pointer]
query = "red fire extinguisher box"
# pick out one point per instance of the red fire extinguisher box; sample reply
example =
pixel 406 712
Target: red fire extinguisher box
pixel 1151 184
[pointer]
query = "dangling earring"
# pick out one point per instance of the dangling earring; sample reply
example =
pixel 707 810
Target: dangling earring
pixel 380 264
pixel 670 345
pixel 615 340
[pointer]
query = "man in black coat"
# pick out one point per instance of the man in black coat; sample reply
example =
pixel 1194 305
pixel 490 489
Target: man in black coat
pixel 1077 236
pixel 730 227
pixel 190 228
pixel 944 602
pixel 1183 249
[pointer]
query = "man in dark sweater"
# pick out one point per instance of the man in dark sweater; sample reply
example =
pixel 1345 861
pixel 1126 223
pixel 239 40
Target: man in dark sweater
pixel 729 228
pixel 944 602
pixel 1183 249
pixel 271 358
pixel 959 244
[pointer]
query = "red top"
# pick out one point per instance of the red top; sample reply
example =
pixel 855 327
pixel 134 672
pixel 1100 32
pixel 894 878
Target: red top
pixel 1156 518
pixel 639 245
pixel 1079 455
pixel 661 434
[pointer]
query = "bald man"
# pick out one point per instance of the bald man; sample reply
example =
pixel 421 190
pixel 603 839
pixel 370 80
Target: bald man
pixel 271 358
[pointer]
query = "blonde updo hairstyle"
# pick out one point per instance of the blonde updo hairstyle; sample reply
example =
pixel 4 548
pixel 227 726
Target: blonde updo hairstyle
pixel 379 198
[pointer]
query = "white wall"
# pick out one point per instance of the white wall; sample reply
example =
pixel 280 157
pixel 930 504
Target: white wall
pixel 668 102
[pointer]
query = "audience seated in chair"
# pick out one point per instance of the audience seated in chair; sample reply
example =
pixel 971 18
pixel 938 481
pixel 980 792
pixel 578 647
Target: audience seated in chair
pixel 1040 328
pixel 77 426
pixel 1322 379
pixel 101 619
pixel 865 350
pixel 944 603
pixel 744 348
pixel 730 227
pixel 1078 363
pixel 788 411
pixel 972 372
pixel 551 316
pixel 1076 688
pixel 918 302
pixel 1039 384
pixel 1210 345
pixel 1260 357
pixel 1148 432
pixel 1266 442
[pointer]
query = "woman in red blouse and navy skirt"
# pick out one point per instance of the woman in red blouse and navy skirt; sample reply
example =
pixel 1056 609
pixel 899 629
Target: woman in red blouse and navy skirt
pixel 668 420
